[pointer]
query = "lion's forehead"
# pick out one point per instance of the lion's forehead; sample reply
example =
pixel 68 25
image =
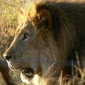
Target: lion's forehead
pixel 24 26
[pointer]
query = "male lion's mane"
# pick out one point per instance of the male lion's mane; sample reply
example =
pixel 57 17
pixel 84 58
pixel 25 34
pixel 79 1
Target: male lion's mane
pixel 59 23
pixel 63 29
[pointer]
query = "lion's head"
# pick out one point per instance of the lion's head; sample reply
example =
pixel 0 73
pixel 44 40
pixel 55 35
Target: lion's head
pixel 44 39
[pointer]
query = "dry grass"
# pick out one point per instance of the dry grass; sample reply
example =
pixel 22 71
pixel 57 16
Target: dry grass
pixel 77 77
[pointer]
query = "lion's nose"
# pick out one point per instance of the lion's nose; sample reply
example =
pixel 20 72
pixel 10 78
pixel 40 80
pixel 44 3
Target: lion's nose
pixel 7 57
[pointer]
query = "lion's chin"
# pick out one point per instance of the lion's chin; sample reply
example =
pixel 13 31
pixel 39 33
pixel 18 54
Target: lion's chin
pixel 33 81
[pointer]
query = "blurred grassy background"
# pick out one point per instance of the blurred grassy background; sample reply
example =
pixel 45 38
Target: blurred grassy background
pixel 8 23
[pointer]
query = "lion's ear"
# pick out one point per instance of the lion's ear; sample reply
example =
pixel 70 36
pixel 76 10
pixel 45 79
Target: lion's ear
pixel 43 17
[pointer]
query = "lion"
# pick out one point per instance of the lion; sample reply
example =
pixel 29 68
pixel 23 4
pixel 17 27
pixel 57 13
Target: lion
pixel 46 41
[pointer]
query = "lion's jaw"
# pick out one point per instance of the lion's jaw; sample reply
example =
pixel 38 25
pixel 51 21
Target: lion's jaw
pixel 33 81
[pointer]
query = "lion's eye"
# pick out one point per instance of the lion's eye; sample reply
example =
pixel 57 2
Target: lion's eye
pixel 25 36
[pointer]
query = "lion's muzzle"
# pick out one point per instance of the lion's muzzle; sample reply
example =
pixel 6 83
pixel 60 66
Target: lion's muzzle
pixel 7 57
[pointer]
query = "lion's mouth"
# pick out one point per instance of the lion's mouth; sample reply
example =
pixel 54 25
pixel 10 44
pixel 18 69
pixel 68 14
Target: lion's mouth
pixel 28 72
pixel 29 77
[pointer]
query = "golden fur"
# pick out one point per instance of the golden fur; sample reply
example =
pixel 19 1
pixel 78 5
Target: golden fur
pixel 45 42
